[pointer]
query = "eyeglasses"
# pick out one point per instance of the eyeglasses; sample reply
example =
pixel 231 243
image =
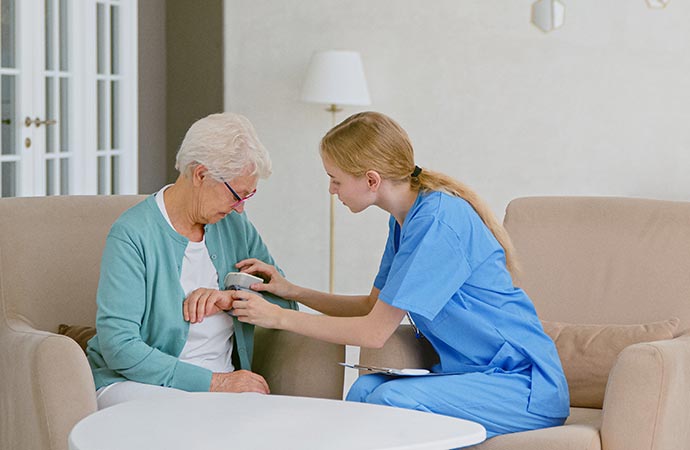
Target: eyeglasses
pixel 240 200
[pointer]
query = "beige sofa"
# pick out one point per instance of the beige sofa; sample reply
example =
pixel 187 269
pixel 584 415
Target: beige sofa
pixel 50 250
pixel 584 261
pixel 588 260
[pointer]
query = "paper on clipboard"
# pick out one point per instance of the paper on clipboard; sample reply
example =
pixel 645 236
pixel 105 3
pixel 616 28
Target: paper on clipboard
pixel 388 370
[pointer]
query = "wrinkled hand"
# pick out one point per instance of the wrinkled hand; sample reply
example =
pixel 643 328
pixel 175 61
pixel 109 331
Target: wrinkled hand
pixel 204 302
pixel 252 308
pixel 239 381
pixel 277 284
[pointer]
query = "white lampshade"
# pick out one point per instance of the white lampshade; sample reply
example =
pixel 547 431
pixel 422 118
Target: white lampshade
pixel 336 77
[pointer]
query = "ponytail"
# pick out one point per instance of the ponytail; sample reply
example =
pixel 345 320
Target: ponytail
pixel 427 180
pixel 374 141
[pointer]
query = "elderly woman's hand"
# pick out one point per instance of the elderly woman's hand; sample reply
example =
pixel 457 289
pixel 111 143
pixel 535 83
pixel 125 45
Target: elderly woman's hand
pixel 204 302
pixel 277 284
pixel 239 381
pixel 252 308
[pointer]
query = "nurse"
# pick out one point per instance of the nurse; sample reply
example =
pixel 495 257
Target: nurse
pixel 447 264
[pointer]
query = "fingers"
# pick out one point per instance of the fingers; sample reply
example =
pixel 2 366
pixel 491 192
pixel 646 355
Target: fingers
pixel 240 307
pixel 257 386
pixel 259 287
pixel 239 381
pixel 255 266
pixel 222 301
pixel 239 301
pixel 243 295
pixel 201 306
pixel 189 306
pixel 274 282
pixel 253 309
pixel 245 264
pixel 255 382
pixel 203 302
pixel 263 271
pixel 185 309
pixel 263 383
pixel 212 307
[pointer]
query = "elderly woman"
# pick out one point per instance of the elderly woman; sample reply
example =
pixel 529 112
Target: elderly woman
pixel 174 246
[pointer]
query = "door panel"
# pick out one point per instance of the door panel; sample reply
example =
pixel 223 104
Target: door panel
pixel 67 78
pixel 57 78
pixel 9 73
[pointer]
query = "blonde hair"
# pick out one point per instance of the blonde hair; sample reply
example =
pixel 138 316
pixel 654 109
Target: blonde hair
pixel 373 141
pixel 227 145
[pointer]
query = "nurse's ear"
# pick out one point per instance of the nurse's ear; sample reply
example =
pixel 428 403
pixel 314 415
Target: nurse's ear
pixel 373 180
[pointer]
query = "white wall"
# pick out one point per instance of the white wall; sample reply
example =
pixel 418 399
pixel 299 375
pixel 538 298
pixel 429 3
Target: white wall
pixel 599 107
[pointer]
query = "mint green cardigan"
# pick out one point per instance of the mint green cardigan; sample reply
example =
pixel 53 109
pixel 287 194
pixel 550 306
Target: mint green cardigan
pixel 139 323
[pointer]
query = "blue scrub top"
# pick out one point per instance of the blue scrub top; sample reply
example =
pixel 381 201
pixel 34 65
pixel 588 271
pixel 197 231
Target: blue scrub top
pixel 446 268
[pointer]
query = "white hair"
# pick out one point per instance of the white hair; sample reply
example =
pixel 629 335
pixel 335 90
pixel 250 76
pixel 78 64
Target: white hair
pixel 227 145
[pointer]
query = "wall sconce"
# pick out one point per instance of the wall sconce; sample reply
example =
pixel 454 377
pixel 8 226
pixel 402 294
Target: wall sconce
pixel 547 15
pixel 657 4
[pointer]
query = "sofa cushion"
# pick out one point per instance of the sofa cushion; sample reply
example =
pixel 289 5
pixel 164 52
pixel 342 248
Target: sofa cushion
pixel 79 333
pixel 567 437
pixel 588 352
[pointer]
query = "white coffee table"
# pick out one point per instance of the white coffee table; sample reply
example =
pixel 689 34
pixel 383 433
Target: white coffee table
pixel 253 421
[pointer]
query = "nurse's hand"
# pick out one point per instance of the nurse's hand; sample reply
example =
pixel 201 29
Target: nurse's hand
pixel 251 308
pixel 277 284
pixel 204 302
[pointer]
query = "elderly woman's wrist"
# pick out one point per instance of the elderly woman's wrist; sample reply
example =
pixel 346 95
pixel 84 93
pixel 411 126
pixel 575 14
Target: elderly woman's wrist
pixel 215 382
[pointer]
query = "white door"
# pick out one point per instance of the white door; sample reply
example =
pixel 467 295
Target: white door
pixel 68 97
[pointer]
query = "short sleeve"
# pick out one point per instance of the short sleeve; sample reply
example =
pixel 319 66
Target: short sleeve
pixel 429 267
pixel 387 258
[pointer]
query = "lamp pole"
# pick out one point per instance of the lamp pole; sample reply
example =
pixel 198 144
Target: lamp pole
pixel 331 272
pixel 335 77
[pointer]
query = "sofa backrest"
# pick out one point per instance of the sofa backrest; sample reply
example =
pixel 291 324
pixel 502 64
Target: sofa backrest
pixel 50 249
pixel 602 259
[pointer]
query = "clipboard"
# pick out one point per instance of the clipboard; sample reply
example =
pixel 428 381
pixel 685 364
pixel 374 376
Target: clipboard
pixel 389 370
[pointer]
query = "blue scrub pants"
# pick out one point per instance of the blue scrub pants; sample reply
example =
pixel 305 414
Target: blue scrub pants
pixel 497 400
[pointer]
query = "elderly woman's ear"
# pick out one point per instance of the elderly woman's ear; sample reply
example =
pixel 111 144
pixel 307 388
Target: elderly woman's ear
pixel 198 174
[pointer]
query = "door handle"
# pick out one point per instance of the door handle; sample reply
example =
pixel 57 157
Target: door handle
pixel 38 122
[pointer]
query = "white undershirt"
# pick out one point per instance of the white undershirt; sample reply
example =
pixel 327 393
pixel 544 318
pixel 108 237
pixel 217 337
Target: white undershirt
pixel 209 343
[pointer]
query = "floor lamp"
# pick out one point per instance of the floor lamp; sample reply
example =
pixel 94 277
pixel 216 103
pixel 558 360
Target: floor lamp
pixel 335 78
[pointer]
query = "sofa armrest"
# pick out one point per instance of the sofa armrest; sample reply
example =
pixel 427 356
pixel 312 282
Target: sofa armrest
pixel 293 364
pixel 47 385
pixel 402 350
pixel 645 405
